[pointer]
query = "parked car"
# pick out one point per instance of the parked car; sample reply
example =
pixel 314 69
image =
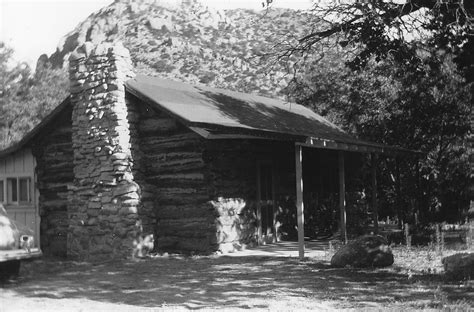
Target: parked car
pixel 16 244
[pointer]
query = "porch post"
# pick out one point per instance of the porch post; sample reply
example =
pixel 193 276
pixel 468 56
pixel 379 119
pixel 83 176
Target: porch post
pixel 342 195
pixel 299 199
pixel 374 193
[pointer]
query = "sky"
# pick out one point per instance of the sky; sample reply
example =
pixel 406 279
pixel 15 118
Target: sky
pixel 34 27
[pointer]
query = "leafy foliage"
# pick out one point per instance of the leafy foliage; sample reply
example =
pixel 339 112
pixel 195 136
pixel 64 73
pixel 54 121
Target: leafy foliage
pixel 25 98
pixel 378 29
pixel 14 87
pixel 387 73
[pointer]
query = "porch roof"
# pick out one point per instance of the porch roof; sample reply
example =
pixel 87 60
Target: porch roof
pixel 218 113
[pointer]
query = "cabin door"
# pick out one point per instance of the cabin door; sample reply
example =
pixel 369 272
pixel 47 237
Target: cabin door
pixel 266 203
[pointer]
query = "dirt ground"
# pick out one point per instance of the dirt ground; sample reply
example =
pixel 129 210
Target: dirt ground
pixel 175 283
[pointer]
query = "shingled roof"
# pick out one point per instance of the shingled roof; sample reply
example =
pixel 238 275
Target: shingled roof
pixel 227 114
pixel 218 113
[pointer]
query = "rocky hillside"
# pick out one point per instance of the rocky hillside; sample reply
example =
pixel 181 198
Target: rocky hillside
pixel 193 43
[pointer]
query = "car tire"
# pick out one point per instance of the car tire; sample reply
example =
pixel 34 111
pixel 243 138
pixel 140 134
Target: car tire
pixel 9 269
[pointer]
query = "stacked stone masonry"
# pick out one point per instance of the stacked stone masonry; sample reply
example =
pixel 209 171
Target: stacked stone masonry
pixel 104 199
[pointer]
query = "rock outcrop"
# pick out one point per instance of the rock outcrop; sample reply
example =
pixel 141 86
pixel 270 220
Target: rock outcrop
pixel 194 43
pixel 365 251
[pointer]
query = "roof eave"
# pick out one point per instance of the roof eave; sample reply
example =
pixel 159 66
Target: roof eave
pixel 361 147
pixel 231 132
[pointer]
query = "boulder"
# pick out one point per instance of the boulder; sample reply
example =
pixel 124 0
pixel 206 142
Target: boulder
pixel 365 251
pixel 459 266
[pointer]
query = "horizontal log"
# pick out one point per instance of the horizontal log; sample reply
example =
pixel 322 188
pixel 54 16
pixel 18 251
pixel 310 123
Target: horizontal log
pixel 176 166
pixel 58 145
pixel 197 230
pixel 172 156
pixel 46 194
pixel 57 177
pixel 54 205
pixel 178 180
pixel 51 172
pixel 153 125
pixel 176 243
pixel 55 161
pixel 57 187
pixel 182 199
pixel 185 211
pixel 185 142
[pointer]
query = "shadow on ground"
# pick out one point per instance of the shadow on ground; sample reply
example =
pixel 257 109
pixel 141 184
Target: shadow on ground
pixel 231 282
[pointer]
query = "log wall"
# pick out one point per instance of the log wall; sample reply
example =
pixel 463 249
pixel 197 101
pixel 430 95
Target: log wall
pixel 54 169
pixel 203 192
pixel 173 172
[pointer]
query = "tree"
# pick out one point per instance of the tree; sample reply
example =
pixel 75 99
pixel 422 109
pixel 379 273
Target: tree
pixel 384 71
pixel 388 102
pixel 48 88
pixel 25 99
pixel 400 29
pixel 13 90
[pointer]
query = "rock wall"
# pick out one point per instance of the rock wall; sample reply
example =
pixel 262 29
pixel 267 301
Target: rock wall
pixel 105 199
pixel 54 169
pixel 173 167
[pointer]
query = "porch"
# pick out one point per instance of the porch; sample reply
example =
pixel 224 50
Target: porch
pixel 288 249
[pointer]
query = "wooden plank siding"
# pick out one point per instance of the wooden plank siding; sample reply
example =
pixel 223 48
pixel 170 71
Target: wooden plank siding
pixel 15 166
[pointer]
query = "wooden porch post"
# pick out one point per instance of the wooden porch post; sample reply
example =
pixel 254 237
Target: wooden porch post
pixel 342 196
pixel 299 199
pixel 398 188
pixel 374 193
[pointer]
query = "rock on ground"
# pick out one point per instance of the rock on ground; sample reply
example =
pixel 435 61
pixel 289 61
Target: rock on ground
pixel 459 266
pixel 365 251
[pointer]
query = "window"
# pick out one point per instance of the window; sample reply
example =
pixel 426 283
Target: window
pixel 2 191
pixel 24 190
pixel 12 190
pixel 15 190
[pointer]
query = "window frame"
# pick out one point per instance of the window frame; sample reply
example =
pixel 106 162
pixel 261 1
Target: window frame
pixel 3 191
pixel 29 192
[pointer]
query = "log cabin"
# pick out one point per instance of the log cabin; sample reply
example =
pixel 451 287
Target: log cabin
pixel 200 168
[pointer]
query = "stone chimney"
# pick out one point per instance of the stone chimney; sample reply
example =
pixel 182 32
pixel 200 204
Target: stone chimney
pixel 103 216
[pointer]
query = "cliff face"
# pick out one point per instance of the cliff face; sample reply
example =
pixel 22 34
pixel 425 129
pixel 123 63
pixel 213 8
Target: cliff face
pixel 193 43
